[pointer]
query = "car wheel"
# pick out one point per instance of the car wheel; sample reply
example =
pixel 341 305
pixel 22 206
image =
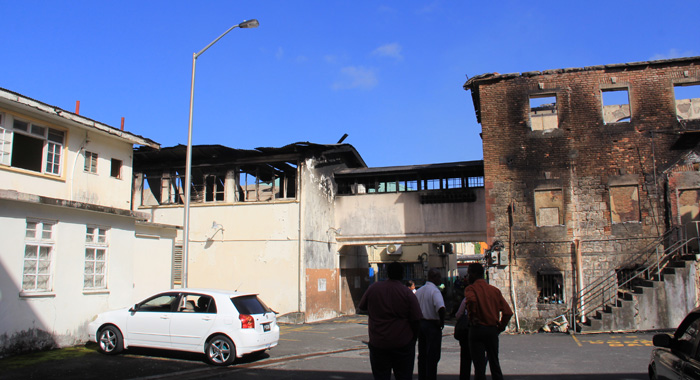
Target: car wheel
pixel 110 340
pixel 220 350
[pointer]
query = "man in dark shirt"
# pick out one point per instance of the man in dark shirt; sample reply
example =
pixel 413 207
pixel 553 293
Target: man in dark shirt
pixel 394 316
pixel 489 314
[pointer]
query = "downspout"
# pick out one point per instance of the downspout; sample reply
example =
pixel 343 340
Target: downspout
pixel 299 243
pixel 510 264
pixel 579 275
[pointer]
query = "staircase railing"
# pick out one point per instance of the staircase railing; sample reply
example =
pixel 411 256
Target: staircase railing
pixel 647 264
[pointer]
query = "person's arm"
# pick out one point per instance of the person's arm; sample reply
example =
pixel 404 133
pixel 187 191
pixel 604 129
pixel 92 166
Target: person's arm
pixel 506 314
pixel 441 313
pixel 462 309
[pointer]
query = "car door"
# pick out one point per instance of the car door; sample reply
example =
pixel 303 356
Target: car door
pixel 148 325
pixel 191 324
pixel 691 367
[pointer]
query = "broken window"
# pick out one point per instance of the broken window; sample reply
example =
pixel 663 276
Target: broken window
pixel 549 205
pixel 266 182
pixel 624 204
pixel 616 106
pixel 543 112
pixel 214 188
pixel 90 165
pixel 32 147
pixel 687 101
pixel 550 287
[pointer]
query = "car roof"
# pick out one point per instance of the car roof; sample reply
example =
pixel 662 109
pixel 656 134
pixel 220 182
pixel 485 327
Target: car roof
pixel 212 292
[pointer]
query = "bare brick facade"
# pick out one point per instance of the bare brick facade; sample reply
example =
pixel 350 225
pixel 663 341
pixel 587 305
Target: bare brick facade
pixel 607 165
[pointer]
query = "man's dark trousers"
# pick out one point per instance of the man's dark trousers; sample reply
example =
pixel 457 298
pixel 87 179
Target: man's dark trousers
pixel 401 360
pixel 429 346
pixel 485 339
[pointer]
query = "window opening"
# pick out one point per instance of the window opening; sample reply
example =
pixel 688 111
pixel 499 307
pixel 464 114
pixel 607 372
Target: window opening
pixel 543 112
pixel 38 252
pixel 116 170
pixel 624 204
pixel 90 162
pixel 687 101
pixel 95 275
pixel 214 188
pixel 616 106
pixel 36 148
pixel 550 289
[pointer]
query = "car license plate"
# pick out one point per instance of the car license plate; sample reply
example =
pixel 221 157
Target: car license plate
pixel 266 327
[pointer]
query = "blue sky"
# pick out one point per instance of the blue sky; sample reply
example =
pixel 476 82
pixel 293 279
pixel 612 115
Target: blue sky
pixel 387 73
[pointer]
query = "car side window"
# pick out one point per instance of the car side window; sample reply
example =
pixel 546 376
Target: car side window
pixel 159 303
pixel 197 303
pixel 687 338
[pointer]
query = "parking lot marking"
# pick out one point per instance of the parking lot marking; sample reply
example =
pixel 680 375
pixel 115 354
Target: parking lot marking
pixel 577 341
pixel 627 341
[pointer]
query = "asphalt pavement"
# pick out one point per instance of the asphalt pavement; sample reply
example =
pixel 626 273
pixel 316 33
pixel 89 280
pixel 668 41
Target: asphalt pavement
pixel 337 349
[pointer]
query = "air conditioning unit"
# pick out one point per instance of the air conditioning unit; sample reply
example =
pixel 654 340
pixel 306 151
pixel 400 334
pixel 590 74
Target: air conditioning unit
pixel 394 249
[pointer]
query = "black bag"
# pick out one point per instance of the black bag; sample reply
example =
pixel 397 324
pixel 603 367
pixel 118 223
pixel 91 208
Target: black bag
pixel 462 328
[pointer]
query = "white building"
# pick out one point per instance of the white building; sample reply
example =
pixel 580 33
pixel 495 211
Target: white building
pixel 71 244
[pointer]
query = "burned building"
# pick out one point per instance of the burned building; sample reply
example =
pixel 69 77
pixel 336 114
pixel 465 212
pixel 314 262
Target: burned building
pixel 591 175
pixel 261 220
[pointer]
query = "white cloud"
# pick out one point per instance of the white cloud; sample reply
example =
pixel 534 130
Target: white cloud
pixel 674 53
pixel 392 50
pixel 356 77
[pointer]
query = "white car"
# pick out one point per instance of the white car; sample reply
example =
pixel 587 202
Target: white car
pixel 221 324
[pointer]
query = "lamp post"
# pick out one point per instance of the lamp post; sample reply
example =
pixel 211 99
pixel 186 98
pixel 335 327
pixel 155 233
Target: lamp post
pixel 188 164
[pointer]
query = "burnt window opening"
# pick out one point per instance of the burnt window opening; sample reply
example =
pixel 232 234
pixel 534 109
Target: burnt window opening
pixel 550 287
pixel 265 183
pixel 214 186
pixel 543 112
pixel 616 106
pixel 624 204
pixel 687 101
pixel 549 205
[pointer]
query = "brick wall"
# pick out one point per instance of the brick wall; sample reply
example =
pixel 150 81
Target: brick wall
pixel 583 157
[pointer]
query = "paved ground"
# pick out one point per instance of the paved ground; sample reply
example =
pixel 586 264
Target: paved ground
pixel 336 350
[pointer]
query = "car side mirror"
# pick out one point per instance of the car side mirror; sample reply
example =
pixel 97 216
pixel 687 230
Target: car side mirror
pixel 134 308
pixel 662 340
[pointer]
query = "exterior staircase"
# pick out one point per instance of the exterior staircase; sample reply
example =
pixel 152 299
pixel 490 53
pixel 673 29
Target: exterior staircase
pixel 655 295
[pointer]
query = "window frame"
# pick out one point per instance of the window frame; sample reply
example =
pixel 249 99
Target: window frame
pixel 53 144
pixel 40 242
pixel 116 167
pixel 90 164
pixel 540 125
pixel 552 278
pixel 95 241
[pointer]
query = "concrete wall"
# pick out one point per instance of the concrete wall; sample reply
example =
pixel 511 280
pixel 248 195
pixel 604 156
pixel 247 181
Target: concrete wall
pixel 74 184
pixel 401 215
pixel 30 321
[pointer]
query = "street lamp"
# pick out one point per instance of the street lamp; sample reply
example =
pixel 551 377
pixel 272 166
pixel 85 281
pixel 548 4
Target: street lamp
pixel 188 165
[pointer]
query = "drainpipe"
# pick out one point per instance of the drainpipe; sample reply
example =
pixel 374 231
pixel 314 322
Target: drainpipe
pixel 299 274
pixel 579 275
pixel 510 264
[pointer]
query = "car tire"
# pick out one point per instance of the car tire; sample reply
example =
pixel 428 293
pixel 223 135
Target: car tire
pixel 220 350
pixel 652 373
pixel 110 340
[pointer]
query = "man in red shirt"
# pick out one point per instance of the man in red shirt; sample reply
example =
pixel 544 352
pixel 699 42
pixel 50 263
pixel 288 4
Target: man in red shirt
pixel 489 314
pixel 394 316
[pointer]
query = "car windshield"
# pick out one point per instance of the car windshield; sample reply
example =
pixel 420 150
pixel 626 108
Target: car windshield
pixel 250 305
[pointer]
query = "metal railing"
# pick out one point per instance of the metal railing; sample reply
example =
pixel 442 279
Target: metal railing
pixel 646 265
